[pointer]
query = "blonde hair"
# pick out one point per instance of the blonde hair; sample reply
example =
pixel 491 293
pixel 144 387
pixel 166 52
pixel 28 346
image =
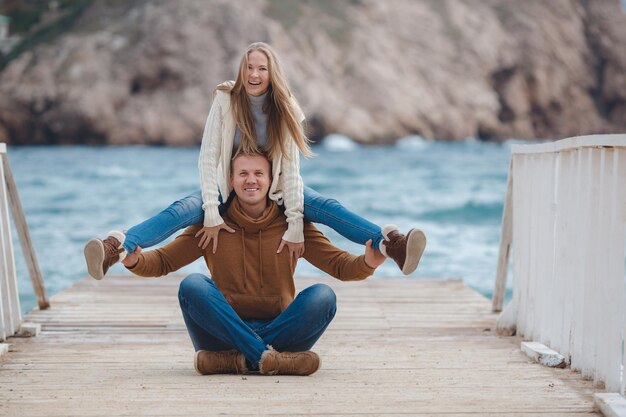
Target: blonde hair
pixel 282 116
pixel 240 152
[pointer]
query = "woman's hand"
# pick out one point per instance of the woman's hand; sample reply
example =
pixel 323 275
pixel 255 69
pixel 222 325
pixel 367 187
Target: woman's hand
pixel 208 234
pixel 296 250
pixel 373 258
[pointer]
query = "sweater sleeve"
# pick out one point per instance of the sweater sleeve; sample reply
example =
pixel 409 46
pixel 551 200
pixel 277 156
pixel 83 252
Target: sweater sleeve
pixel 293 193
pixel 171 257
pixel 293 196
pixel 336 262
pixel 210 151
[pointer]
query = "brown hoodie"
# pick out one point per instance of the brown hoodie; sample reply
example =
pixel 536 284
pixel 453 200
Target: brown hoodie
pixel 256 281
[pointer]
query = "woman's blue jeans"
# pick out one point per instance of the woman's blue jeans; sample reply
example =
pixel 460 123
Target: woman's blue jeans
pixel 214 325
pixel 188 211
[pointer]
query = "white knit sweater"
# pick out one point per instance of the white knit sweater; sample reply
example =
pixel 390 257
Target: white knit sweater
pixel 214 165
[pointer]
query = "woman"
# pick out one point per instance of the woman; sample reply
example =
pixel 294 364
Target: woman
pixel 257 112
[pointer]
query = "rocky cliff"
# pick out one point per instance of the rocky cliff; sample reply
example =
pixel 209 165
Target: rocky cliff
pixel 143 71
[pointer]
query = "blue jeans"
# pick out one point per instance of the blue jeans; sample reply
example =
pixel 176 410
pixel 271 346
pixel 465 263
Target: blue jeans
pixel 188 211
pixel 214 325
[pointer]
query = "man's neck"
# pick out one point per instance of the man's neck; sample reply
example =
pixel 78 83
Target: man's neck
pixel 254 211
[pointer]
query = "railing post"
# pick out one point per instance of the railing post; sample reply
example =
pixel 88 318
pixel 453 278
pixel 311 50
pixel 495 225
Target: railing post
pixel 10 315
pixel 506 236
pixel 22 231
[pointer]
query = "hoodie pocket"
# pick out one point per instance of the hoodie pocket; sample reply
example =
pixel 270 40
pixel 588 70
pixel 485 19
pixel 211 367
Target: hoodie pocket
pixel 262 307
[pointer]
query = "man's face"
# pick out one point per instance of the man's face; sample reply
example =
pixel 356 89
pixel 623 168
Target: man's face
pixel 251 179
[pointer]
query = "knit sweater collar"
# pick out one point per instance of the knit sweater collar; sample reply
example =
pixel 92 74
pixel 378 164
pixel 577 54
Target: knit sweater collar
pixel 249 224
pixel 256 102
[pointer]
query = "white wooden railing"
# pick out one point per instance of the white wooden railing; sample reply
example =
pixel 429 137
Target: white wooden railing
pixel 9 299
pixel 10 314
pixel 565 216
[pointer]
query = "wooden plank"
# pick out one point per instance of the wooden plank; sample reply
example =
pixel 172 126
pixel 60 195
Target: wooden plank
pixel 578 270
pixel 521 224
pixel 622 267
pixel 544 355
pixel 534 287
pixel 555 307
pixel 600 238
pixel 545 284
pixel 565 217
pixel 590 318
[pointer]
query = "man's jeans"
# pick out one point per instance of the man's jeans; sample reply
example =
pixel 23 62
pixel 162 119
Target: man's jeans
pixel 188 211
pixel 213 324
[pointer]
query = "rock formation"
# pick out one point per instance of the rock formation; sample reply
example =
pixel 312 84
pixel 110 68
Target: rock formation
pixel 142 72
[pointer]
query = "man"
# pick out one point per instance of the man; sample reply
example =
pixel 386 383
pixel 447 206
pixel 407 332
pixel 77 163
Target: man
pixel 246 318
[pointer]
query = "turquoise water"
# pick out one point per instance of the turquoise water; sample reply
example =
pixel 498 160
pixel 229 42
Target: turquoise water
pixel 453 191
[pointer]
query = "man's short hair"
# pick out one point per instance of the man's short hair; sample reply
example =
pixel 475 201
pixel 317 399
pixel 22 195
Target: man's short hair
pixel 239 152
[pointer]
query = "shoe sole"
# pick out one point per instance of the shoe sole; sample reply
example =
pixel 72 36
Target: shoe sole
pixel 416 243
pixel 94 256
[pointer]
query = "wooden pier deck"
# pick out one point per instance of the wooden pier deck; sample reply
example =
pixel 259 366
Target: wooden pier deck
pixel 396 347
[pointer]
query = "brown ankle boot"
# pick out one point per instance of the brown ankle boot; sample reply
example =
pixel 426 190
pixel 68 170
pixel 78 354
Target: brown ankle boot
pixel 208 362
pixel 100 255
pixel 407 250
pixel 289 363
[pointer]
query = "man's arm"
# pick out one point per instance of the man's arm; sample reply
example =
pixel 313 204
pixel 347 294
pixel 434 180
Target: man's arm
pixel 336 262
pixel 171 257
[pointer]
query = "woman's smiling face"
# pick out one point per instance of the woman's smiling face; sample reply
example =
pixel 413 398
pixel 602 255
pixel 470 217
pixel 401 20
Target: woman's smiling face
pixel 258 74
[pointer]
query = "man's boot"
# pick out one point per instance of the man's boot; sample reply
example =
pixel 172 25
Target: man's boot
pixel 289 363
pixel 407 250
pixel 208 362
pixel 100 255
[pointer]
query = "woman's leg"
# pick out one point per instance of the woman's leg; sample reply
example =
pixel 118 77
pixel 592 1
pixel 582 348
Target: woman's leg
pixel 178 215
pixel 328 211
pixel 405 250
pixel 100 255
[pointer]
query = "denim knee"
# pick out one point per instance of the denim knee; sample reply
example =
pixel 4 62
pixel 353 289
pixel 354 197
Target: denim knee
pixel 192 285
pixel 323 204
pixel 323 298
pixel 187 205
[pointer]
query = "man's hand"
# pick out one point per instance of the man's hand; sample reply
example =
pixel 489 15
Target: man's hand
pixel 373 258
pixel 208 234
pixel 132 258
pixel 296 250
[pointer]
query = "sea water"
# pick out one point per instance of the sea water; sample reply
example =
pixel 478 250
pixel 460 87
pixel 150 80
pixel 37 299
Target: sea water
pixel 454 192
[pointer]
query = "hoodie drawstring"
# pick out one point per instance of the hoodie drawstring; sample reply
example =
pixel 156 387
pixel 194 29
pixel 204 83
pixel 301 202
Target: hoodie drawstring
pixel 261 256
pixel 243 248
